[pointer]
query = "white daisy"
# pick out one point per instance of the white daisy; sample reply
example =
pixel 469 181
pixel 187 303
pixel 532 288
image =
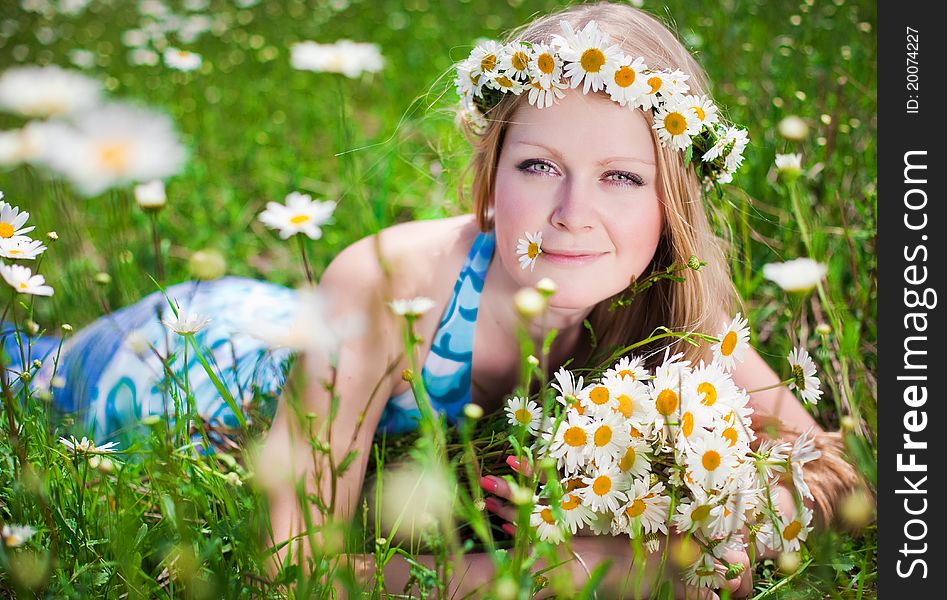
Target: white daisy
pixel 24 282
pixel 516 61
pixel 485 58
pixel 411 307
pixel 773 457
pixel 789 164
pixel 803 376
pixel 625 81
pixel 666 388
pixel 803 451
pixel 47 91
pixel 568 388
pixel 143 57
pixel 714 388
pixel 710 461
pixel 729 141
pixel 186 323
pixel 587 56
pixel 576 515
pixel 523 412
pixel 703 108
pixel 501 81
pixel 20 247
pixel 636 460
pixel 545 95
pixel 647 508
pixel 603 491
pixel 609 438
pixel 548 529
pixel 12 221
pixel 344 56
pixel 182 60
pixel 468 85
pixel 706 572
pixel 739 502
pixel 16 535
pixel 695 418
pixel 545 66
pixel 87 446
pixel 628 367
pixel 696 514
pixel 529 249
pixel 151 195
pixel 570 442
pixel 598 400
pixel 795 531
pixel 631 400
pixel 300 214
pixel 675 123
pixel 662 86
pixel 113 145
pixel 798 275
pixel 734 340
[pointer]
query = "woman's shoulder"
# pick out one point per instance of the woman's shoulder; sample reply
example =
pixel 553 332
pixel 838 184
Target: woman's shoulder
pixel 412 258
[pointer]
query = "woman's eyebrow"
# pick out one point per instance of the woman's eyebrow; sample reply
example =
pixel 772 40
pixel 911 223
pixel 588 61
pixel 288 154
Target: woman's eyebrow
pixel 611 159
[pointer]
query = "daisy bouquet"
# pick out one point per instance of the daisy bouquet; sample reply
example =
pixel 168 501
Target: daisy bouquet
pixel 648 453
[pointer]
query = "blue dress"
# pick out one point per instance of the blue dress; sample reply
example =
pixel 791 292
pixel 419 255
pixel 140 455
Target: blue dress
pixel 110 375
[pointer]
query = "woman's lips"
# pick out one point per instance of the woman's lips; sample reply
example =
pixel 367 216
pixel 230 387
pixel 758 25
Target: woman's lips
pixel 571 259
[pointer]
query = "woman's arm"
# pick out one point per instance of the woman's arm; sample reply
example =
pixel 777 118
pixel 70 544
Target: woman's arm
pixel 355 287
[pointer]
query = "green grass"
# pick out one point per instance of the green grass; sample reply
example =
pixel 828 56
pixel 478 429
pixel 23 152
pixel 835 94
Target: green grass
pixel 385 146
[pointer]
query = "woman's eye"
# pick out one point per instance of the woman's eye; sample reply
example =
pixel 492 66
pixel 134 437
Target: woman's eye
pixel 624 178
pixel 536 167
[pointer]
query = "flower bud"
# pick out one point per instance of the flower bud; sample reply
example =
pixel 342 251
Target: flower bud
pixel 207 264
pixel 66 327
pixel 150 420
pixel 151 196
pixel 789 166
pixel 546 286
pixel 532 360
pixel 103 279
pixel 473 411
pixel 693 263
pixel 32 327
pixel 53 236
pixel 793 128
pixel 856 509
pixel 823 329
pixel 529 302
pixel 788 562
pixel 407 375
pixel 520 495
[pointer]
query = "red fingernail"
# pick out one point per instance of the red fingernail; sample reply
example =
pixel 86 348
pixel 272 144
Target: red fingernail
pixel 513 462
pixel 488 483
pixel 509 529
pixel 491 504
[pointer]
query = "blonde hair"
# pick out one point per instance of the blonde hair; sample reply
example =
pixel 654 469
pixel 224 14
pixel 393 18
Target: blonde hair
pixel 698 303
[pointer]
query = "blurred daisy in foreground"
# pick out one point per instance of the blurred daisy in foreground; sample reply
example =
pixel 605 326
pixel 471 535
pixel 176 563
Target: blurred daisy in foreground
pixel 734 340
pixel 529 249
pixel 789 165
pixel 186 323
pixel 798 275
pixel 523 412
pixel 16 535
pixel 345 56
pixel 47 91
pixel 411 307
pixel 87 446
pixel 151 195
pixel 113 145
pixel 24 282
pixel 803 376
pixel 300 214
pixel 182 60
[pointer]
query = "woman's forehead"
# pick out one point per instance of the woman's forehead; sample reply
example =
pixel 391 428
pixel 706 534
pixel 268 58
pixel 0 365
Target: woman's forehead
pixel 594 126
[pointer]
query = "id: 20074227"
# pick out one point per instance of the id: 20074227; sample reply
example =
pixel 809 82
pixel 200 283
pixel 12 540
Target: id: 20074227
pixel 912 79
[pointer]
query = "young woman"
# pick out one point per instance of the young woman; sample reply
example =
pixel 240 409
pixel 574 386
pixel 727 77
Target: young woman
pixel 612 200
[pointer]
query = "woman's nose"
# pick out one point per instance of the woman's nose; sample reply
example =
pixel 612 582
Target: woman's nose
pixel 573 210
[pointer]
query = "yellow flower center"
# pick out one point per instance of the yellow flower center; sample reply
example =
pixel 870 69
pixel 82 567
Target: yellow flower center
pixel 687 424
pixel 505 82
pixel 533 250
pixel 626 373
pixel 603 435
pixel 488 62
pixel 574 484
pixel 575 437
pixel 114 156
pixel 655 83
pixel 634 432
pixel 6 230
pixel 523 416
pixel 666 402
pixel 546 514
pixel 23 285
pixel 675 123
pixel 710 393
pixel 592 60
pixel 637 507
pixel 624 77
pixel 625 405
pixel 602 485
pixel 699 112
pixel 729 343
pixel 572 503
pixel 546 63
pixel 730 434
pixel 520 61
pixel 628 460
pixel 474 79
pixel 710 460
pixel 296 220
pixel 792 530
pixel 700 513
pixel 599 395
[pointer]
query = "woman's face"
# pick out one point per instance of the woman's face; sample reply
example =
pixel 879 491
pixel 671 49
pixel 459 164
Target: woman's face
pixel 582 172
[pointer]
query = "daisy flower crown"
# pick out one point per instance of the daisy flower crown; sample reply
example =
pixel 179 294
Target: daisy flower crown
pixel 684 122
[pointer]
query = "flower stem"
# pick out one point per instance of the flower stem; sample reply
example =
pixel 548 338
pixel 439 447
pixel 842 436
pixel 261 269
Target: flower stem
pixel 302 250
pixel 156 240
